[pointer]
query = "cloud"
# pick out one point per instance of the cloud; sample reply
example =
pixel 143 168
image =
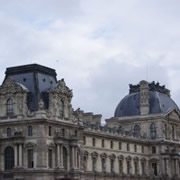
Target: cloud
pixel 99 48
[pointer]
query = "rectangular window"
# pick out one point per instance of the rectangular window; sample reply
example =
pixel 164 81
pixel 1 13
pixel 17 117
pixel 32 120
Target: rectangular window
pixel 102 143
pixel 120 166
pixel 30 130
pixel 153 149
pixel 50 158
pixel 120 146
pixel 85 163
pixel 50 133
pixel 112 165
pixel 142 149
pixel 135 148
pixel 84 140
pixel 128 167
pixel 154 168
pixel 111 144
pixel 8 132
pixel 143 168
pixel 136 167
pixel 63 132
pixel 93 141
pixel 128 149
pixel 30 158
pixel 94 164
pixel 103 165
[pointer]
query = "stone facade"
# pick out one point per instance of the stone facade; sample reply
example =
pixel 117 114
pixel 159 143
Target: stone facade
pixel 56 142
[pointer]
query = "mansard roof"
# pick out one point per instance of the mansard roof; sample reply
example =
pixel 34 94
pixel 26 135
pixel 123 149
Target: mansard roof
pixel 37 79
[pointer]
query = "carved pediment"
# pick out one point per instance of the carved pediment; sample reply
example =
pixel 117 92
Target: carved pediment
pixel 173 115
pixel 10 86
pixel 61 88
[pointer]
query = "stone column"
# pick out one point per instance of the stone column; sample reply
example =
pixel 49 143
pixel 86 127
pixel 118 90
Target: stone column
pixel 35 157
pixel 165 166
pixel 20 155
pixel 72 158
pixel 176 162
pixel 58 155
pixel 75 157
pixel 168 167
pixel 61 158
pixel 15 153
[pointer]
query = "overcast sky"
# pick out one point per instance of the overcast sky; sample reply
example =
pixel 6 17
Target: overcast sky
pixel 98 46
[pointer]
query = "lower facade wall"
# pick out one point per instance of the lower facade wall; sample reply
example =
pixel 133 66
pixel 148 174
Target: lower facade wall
pixel 74 176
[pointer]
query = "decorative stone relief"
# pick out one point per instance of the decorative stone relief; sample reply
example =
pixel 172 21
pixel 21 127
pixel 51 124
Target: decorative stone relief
pixel 10 86
pixel 174 115
pixel 41 105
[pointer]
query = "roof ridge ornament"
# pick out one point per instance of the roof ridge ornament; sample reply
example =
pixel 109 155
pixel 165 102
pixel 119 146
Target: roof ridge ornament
pixel 152 87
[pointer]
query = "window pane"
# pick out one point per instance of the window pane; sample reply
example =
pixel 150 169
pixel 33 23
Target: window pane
pixel 30 158
pixel 29 130
pixel 61 108
pixel 9 158
pixel 8 132
pixel 9 107
pixel 50 158
pixel 50 131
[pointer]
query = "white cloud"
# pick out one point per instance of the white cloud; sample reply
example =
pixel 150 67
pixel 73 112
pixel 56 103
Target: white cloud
pixel 98 47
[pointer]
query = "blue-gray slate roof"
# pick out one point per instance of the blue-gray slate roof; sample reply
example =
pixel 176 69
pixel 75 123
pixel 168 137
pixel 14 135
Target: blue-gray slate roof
pixel 158 103
pixel 37 79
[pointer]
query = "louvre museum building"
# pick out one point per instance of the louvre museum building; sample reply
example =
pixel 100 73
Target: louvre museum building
pixel 43 138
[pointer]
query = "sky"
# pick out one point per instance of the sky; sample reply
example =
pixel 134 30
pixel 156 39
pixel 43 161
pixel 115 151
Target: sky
pixel 98 47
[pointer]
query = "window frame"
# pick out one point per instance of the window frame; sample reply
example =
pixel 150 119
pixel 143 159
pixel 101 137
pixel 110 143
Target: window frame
pixel 30 130
pixel 50 158
pixel 61 108
pixel 30 158
pixel 9 132
pixel 10 107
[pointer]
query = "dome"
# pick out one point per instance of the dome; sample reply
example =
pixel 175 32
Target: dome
pixel 159 101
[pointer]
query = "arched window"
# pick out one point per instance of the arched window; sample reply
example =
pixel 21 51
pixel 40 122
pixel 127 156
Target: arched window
pixel 136 130
pixel 8 132
pixel 9 107
pixel 30 131
pixel 61 108
pixel 9 158
pixel 153 131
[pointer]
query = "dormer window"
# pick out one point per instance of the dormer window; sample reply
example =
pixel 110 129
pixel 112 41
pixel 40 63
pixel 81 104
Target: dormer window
pixel 61 108
pixel 9 107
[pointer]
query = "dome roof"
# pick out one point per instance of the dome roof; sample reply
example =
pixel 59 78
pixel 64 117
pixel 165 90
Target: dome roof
pixel 159 101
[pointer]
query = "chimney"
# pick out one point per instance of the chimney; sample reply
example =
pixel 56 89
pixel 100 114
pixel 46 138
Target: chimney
pixel 144 97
